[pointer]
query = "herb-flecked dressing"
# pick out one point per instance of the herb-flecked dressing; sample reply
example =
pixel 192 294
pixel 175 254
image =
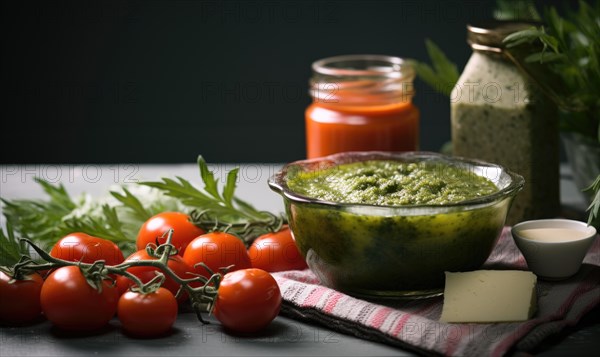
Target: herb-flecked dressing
pixel 391 183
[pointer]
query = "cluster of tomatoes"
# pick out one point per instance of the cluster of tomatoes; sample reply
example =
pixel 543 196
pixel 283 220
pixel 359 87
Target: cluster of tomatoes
pixel 247 300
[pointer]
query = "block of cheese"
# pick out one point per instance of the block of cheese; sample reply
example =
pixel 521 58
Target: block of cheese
pixel 489 296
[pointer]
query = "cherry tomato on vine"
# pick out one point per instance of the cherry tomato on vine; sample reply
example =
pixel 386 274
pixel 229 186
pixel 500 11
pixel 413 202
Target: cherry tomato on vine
pixel 276 252
pixel 70 303
pixel 147 315
pixel 217 250
pixel 20 299
pixel 147 273
pixel 85 248
pixel 248 300
pixel 154 229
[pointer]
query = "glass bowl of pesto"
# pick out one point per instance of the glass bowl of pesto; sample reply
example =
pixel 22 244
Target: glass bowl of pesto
pixel 388 225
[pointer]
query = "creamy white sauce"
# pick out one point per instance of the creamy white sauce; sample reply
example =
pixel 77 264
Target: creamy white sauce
pixel 553 234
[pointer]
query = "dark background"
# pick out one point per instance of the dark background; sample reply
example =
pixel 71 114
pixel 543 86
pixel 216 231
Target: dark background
pixel 158 81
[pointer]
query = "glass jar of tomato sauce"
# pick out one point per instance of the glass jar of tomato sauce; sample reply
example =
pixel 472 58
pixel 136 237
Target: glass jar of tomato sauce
pixel 361 103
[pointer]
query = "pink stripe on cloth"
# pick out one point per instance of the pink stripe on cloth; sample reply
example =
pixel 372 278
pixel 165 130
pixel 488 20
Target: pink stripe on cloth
pixel 380 316
pixel 415 324
pixel 454 343
pixel 333 300
pixel 400 325
pixel 315 296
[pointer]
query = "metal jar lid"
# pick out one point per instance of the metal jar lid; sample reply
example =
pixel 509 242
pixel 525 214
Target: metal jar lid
pixel 488 36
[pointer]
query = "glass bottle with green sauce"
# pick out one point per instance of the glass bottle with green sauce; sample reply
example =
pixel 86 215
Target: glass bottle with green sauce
pixel 498 115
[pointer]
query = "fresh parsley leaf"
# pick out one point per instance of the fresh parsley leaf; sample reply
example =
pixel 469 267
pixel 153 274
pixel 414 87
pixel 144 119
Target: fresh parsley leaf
pixel 212 209
pixel 11 248
pixel 189 195
pixel 40 220
pixel 443 75
pixel 594 208
pixel 565 54
pixel 229 188
pixel 210 183
pixel 213 203
pixel 133 203
pixel 45 221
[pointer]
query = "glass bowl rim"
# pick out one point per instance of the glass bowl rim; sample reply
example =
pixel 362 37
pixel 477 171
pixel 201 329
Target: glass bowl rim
pixel 278 183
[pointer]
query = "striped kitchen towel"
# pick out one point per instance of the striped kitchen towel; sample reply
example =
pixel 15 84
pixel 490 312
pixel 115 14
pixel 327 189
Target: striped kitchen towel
pixel 415 324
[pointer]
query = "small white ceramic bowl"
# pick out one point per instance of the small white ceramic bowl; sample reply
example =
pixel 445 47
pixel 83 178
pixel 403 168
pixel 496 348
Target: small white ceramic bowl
pixel 553 248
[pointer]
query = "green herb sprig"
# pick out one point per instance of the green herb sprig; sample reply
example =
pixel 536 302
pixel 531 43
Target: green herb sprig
pixel 11 248
pixel 568 47
pixel 212 209
pixel 442 75
pixel 594 208
pixel 46 221
pixel 40 220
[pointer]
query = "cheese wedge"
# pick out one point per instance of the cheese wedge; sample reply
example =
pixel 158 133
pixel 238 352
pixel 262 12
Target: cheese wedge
pixel 489 296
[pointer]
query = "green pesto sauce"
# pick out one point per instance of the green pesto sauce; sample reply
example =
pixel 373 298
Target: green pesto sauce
pixel 392 183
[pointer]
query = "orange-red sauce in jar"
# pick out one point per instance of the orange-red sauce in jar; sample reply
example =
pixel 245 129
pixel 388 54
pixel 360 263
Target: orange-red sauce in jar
pixel 361 103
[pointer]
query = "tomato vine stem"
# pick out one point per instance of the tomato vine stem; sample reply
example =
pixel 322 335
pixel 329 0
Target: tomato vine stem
pixel 247 231
pixel 202 297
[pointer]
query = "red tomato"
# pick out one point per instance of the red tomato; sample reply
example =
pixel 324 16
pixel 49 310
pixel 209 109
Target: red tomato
pixel 70 303
pixel 217 250
pixel 184 231
pixel 276 252
pixel 147 315
pixel 20 300
pixel 82 247
pixel 146 273
pixel 248 300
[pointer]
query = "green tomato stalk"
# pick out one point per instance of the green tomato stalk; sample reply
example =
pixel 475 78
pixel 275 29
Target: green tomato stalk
pixel 202 297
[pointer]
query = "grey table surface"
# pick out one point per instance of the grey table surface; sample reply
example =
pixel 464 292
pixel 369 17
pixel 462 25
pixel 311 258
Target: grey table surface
pixel 190 338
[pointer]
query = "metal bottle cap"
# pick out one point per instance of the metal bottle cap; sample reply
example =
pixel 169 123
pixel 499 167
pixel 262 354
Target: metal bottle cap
pixel 488 36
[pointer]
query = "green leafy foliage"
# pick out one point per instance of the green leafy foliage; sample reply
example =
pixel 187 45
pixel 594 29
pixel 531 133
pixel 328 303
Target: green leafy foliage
pixel 40 220
pixel 133 203
pixel 212 209
pixel 11 248
pixel 442 75
pixel 106 225
pixel 594 208
pixel 568 49
pixel 216 205
pixel 119 216
pixel 46 221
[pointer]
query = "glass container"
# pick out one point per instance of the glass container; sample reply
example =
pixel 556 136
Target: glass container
pixel 361 103
pixel 499 115
pixel 402 251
